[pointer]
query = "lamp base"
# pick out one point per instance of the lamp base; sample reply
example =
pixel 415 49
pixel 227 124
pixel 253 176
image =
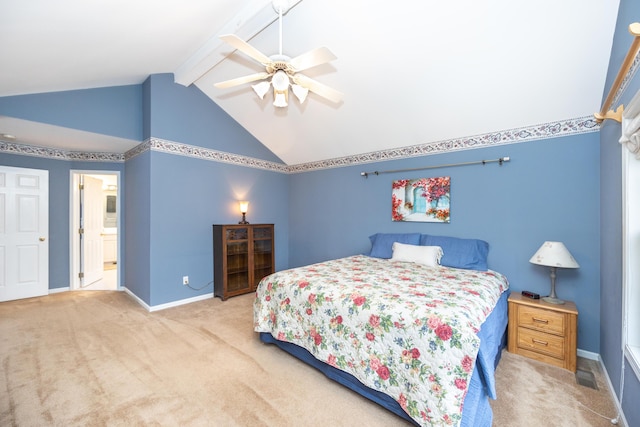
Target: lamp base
pixel 553 300
pixel 244 219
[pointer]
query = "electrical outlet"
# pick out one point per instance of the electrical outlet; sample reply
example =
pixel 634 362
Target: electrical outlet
pixel 185 280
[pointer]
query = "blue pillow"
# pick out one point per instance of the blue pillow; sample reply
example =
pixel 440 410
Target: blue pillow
pixel 382 243
pixel 470 254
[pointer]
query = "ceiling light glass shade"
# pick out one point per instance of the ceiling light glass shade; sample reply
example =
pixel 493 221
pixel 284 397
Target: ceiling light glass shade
pixel 300 92
pixel 280 81
pixel 280 99
pixel 261 88
pixel 554 254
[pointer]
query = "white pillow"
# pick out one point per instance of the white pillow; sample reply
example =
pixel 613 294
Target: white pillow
pixel 427 255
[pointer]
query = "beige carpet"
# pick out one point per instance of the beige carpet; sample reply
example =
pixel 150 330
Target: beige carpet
pixel 99 359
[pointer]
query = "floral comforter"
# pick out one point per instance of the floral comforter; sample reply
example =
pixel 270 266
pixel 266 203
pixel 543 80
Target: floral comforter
pixel 402 328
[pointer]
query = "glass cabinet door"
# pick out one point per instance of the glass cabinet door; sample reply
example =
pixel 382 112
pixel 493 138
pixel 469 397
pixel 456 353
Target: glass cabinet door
pixel 237 259
pixel 262 253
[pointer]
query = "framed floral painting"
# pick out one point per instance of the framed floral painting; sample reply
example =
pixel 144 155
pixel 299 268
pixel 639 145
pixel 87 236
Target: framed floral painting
pixel 421 200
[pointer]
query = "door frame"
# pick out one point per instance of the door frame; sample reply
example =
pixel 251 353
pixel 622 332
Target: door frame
pixel 74 224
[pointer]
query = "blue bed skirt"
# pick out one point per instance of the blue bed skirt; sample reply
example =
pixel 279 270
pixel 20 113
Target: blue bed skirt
pixel 477 411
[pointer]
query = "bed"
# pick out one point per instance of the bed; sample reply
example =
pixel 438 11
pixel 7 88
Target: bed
pixel 410 332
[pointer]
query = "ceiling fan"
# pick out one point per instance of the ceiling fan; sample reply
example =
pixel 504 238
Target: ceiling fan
pixel 282 70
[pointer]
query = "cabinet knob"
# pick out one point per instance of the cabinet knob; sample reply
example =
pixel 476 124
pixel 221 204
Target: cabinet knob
pixel 42 239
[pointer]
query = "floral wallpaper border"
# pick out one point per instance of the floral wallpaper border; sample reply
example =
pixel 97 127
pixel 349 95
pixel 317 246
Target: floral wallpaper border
pixel 511 136
pixel 156 144
pixel 58 154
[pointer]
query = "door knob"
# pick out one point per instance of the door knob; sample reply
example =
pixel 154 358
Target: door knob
pixel 42 239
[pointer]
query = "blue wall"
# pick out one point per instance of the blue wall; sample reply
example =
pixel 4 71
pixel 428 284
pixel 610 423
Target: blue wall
pixel 186 115
pixel 188 200
pixel 548 191
pixel 114 111
pixel 137 196
pixel 178 199
pixel 611 225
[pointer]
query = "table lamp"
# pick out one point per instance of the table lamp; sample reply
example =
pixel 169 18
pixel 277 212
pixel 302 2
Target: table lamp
pixel 244 207
pixel 554 255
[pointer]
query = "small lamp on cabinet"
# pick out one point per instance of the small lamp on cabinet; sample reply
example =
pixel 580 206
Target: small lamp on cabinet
pixel 244 207
pixel 554 255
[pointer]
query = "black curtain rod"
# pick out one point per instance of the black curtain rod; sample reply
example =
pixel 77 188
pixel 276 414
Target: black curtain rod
pixel 501 160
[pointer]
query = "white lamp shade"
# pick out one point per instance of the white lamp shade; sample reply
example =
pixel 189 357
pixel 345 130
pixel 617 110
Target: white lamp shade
pixel 244 207
pixel 280 99
pixel 261 88
pixel 554 254
pixel 300 92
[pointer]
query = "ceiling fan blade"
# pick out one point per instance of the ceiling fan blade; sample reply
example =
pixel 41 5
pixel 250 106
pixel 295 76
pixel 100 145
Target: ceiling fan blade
pixel 318 88
pixel 312 58
pixel 246 48
pixel 242 80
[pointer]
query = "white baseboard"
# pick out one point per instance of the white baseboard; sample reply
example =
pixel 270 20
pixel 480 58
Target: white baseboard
pixel 144 304
pixel 614 396
pixel 68 289
pixel 169 304
pixel 137 299
pixel 588 355
pixel 596 356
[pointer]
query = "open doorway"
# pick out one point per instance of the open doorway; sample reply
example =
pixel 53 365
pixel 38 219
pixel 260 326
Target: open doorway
pixel 95 223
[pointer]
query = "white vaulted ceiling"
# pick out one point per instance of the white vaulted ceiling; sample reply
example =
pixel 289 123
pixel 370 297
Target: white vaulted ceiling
pixel 412 72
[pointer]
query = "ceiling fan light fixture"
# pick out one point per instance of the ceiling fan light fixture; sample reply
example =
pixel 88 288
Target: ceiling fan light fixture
pixel 261 88
pixel 282 70
pixel 280 81
pixel 300 92
pixel 280 99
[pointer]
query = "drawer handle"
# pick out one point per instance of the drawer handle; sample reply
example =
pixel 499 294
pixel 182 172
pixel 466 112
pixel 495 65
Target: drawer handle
pixel 537 319
pixel 535 341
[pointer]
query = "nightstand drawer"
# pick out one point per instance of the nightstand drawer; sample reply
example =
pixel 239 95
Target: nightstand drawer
pixel 540 342
pixel 541 320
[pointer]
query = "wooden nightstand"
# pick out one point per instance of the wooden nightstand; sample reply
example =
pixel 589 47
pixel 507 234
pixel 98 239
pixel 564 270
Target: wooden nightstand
pixel 543 331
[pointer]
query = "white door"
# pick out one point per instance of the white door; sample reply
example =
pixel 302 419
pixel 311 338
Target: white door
pixel 24 233
pixel 91 218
